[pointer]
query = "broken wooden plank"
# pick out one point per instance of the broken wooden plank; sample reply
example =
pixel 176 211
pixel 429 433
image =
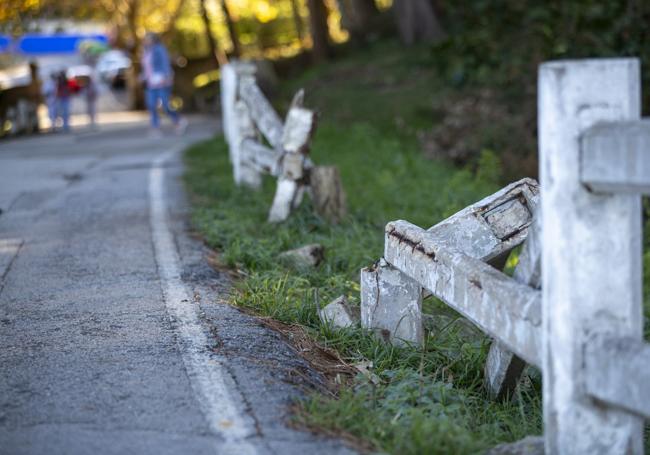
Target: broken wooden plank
pixel 503 368
pixel 293 166
pixel 617 372
pixel 493 226
pixel 298 129
pixel 478 230
pixel 529 267
pixel 615 157
pixel 339 313
pixel 471 232
pixel 263 114
pixel 286 193
pixel 501 307
pixel 261 157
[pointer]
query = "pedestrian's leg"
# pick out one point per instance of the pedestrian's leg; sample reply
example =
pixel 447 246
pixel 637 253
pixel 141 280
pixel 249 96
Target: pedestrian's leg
pixel 165 94
pixel 180 123
pixel 52 112
pixel 65 113
pixel 152 104
pixel 92 108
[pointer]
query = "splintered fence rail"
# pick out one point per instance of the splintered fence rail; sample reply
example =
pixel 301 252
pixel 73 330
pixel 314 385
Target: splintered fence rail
pixel 573 307
pixel 247 118
pixel 466 249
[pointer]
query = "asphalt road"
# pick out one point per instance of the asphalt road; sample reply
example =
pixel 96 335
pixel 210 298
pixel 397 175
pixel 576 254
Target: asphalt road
pixel 113 339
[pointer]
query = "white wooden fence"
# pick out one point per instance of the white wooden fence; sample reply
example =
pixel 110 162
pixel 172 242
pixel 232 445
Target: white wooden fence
pixel 247 116
pixel 584 328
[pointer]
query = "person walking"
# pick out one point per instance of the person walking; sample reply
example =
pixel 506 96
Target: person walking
pixel 91 93
pixel 158 78
pixel 63 94
pixel 49 94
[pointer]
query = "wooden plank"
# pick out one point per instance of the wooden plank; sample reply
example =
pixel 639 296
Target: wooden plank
pixel 261 157
pixel 263 114
pixel 286 194
pixel 615 157
pixel 493 226
pixel 502 367
pixel 475 231
pixel 618 372
pixel 298 129
pixel 501 307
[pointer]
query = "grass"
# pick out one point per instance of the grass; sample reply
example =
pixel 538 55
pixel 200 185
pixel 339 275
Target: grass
pixel 414 401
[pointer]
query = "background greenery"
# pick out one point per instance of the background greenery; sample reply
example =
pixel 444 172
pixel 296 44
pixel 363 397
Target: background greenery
pixel 374 106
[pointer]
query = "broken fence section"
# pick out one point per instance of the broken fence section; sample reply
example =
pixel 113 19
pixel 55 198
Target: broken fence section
pixel 579 317
pixel 247 118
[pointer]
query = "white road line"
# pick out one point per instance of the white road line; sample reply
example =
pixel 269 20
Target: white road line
pixel 206 372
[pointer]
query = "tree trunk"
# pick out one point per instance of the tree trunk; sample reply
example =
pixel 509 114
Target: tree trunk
pixel 417 22
pixel 297 20
pixel 319 30
pixel 357 17
pixel 215 53
pixel 234 38
pixel 136 91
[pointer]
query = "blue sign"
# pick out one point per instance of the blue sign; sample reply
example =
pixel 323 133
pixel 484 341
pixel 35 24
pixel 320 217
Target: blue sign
pixel 53 44
pixel 5 43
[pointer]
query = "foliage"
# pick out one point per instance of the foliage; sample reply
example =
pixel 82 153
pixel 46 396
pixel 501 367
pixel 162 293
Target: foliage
pixel 504 40
pixel 491 56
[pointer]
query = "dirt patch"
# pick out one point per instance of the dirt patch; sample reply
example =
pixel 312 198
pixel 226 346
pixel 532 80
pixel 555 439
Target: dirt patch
pixel 326 361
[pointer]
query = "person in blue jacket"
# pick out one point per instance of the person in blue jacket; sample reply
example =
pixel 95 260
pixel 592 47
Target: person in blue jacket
pixel 158 77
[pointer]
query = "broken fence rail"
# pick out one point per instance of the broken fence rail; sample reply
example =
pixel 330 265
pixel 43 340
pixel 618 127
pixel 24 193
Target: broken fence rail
pixel 584 328
pixel 434 261
pixel 247 116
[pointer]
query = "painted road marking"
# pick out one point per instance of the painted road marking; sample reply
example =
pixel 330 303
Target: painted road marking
pixel 205 370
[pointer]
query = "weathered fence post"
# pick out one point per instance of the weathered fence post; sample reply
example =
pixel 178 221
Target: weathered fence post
pixel 237 122
pixel 243 171
pixel 230 75
pixel 391 304
pixel 591 260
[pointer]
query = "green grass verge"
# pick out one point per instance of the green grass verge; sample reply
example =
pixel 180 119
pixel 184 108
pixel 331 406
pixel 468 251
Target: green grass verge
pixel 418 401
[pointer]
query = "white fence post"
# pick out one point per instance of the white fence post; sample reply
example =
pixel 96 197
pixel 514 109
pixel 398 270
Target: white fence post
pixel 591 260
pixel 231 76
pixel 391 304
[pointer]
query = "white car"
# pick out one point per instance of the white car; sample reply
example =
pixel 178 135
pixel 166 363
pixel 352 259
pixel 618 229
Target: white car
pixel 79 71
pixel 112 67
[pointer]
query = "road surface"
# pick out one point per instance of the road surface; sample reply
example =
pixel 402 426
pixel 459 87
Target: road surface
pixel 113 340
